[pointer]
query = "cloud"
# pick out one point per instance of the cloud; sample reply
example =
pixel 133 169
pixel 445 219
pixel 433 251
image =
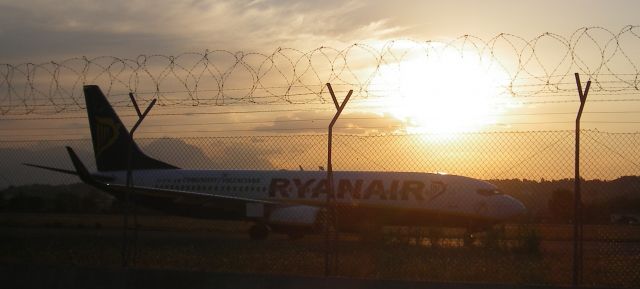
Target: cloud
pixel 40 28
pixel 358 123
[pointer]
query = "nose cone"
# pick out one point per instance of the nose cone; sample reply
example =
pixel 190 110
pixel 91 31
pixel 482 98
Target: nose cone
pixel 508 208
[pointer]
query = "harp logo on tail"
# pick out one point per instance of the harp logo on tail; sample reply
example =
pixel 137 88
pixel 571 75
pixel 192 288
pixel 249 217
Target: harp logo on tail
pixel 107 132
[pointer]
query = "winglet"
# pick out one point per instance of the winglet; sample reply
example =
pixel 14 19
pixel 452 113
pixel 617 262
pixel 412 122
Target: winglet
pixel 82 171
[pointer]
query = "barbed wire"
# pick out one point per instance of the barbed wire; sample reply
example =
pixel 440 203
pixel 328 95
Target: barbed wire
pixel 541 66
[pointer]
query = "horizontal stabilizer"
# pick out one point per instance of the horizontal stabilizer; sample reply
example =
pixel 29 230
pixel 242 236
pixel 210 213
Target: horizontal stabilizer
pixel 81 170
pixel 69 172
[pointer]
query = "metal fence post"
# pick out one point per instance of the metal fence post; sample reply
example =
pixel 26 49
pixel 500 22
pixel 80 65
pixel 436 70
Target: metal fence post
pixel 331 213
pixel 141 116
pixel 577 200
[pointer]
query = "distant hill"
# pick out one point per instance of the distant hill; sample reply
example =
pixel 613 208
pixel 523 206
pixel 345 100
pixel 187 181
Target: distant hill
pixel 178 152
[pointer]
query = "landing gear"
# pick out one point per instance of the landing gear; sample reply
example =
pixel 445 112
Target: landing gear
pixel 470 236
pixel 259 231
pixel 468 239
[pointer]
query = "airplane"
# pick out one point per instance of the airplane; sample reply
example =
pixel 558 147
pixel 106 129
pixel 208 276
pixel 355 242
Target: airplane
pixel 284 201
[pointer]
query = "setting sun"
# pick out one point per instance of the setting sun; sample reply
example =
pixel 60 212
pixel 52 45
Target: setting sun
pixel 444 93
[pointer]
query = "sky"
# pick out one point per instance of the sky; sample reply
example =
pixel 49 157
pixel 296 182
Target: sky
pixel 53 30
pixel 44 31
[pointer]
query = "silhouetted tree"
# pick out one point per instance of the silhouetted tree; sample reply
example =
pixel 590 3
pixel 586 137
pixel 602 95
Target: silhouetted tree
pixel 25 203
pixel 67 202
pixel 3 201
pixel 561 205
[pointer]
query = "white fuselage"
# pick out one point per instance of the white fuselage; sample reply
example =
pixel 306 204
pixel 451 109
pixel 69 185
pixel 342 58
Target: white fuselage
pixel 439 194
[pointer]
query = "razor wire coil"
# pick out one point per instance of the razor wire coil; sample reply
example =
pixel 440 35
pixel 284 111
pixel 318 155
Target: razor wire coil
pixel 294 76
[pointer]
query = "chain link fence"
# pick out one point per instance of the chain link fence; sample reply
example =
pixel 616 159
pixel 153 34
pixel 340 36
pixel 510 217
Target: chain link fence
pixel 534 167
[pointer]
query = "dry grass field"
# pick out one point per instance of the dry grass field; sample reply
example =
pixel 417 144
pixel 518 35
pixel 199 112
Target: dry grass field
pixel 611 253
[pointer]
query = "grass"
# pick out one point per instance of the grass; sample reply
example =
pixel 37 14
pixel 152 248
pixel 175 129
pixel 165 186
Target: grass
pixel 429 254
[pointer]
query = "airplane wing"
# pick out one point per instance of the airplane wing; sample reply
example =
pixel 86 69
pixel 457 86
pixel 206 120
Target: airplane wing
pixel 184 196
pixel 139 191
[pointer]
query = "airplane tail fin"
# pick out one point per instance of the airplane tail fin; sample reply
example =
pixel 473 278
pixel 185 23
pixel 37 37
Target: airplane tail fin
pixel 111 140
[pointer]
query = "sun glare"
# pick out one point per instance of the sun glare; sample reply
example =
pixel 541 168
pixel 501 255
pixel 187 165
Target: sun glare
pixel 444 94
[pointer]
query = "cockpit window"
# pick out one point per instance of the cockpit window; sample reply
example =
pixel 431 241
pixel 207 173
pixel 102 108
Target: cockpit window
pixel 489 192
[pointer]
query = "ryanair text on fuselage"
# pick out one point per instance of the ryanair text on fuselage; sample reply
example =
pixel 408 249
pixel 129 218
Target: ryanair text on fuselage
pixel 357 189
